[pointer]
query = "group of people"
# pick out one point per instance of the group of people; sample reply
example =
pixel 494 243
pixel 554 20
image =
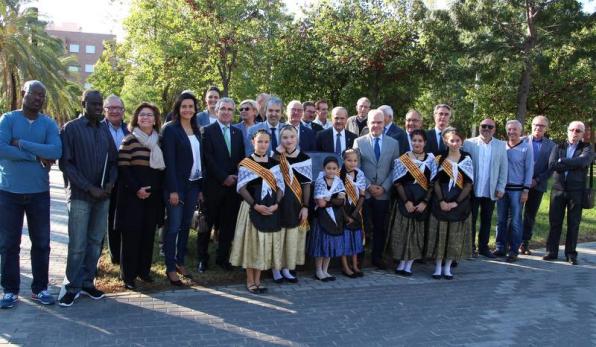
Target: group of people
pixel 420 192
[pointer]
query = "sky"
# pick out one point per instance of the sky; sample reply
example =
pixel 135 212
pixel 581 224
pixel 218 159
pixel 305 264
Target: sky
pixel 106 16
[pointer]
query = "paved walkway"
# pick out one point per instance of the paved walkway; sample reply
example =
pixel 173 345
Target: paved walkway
pixel 489 303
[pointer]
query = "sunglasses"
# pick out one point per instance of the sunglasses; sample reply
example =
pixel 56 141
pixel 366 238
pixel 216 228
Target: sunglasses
pixel 576 130
pixel 244 109
pixel 487 126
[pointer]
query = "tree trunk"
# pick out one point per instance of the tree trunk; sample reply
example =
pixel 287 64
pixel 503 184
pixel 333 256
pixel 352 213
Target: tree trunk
pixel 525 81
pixel 13 91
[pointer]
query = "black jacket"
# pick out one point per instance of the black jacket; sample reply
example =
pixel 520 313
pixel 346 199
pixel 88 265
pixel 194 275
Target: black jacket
pixel 326 142
pixel 575 167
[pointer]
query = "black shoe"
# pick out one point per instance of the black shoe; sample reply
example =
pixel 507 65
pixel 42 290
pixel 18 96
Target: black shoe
pixel 184 273
pixel 454 264
pixel 353 275
pixel 359 273
pixel 524 249
pixel 380 264
pixel 329 279
pixel 226 266
pixel 499 253
pixel 406 273
pixel 572 260
pixel 437 277
pixel 291 280
pixel 319 279
pixel 93 293
pixel 487 254
pixel 68 299
pixel 448 277
pixel 130 285
pixel 549 256
pixel 202 267
pixel 512 258
pixel 279 280
pixel 399 272
pixel 262 289
pixel 147 279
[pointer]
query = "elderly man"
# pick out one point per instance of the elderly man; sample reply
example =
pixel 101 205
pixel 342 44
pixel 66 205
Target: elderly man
pixel 434 140
pixel 89 163
pixel 223 149
pixel 272 125
pixel 29 144
pixel 377 155
pixel 358 123
pixel 520 167
pixel 541 148
pixel 248 112
pixel 114 110
pixel 390 128
pixel 336 139
pixel 569 161
pixel 306 137
pixel 413 122
pixel 489 156
pixel 322 108
pixel 308 118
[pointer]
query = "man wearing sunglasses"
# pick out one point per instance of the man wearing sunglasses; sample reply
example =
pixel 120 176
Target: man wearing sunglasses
pixel 569 161
pixel 489 156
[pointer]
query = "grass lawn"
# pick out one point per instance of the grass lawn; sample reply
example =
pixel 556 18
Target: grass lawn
pixel 108 274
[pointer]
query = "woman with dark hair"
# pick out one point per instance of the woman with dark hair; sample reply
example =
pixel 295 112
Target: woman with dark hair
pixel 211 96
pixel 140 206
pixel 412 173
pixel 449 226
pixel 184 165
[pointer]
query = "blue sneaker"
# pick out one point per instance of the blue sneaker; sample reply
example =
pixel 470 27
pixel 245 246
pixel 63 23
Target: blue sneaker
pixel 8 300
pixel 44 298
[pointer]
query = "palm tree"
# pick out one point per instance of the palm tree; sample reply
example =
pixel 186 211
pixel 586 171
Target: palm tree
pixel 28 52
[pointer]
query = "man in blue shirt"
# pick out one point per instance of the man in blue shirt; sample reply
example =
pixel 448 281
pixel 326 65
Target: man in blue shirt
pixel 29 144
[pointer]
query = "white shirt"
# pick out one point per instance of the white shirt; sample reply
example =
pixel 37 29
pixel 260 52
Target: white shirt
pixel 482 184
pixel 195 171
pixel 325 125
pixel 342 140
pixel 372 141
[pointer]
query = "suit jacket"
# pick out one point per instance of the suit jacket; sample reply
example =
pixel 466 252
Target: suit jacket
pixel 575 167
pixel 432 146
pixel 203 118
pixel 395 132
pixel 177 153
pixel 541 168
pixel 316 127
pixel 353 127
pixel 123 126
pixel 219 163
pixel 498 166
pixel 404 143
pixel 247 142
pixel 326 142
pixel 307 139
pixel 263 126
pixel 378 172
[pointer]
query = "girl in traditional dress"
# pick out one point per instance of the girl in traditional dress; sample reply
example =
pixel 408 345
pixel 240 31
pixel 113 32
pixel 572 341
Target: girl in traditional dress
pixel 449 236
pixel 327 236
pixel 412 173
pixel 355 184
pixel 258 239
pixel 296 169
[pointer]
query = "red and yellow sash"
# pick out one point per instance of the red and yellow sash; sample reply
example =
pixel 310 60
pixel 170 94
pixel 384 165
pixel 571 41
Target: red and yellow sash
pixel 448 169
pixel 293 184
pixel 414 171
pixel 261 171
pixel 351 190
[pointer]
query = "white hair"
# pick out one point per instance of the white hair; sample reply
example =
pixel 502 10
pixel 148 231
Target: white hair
pixel 514 121
pixel 387 110
pixel 112 97
pixel 578 123
pixel 224 100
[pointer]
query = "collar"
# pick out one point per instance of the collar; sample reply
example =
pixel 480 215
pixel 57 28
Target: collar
pixel 269 126
pixel 335 132
pixel 88 122
pixel 222 126
pixel 536 140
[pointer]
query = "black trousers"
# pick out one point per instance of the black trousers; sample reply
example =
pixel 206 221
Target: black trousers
pixel 485 206
pixel 137 243
pixel 559 202
pixel 222 211
pixel 530 212
pixel 113 234
pixel 376 213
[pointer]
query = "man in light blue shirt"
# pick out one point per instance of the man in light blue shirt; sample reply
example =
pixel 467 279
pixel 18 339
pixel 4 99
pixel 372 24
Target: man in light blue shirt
pixel 29 144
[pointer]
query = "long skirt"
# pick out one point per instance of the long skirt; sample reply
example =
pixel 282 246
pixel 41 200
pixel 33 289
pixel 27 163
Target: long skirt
pixel 407 236
pixel 449 240
pixel 254 249
pixel 294 247
pixel 323 244
pixel 353 242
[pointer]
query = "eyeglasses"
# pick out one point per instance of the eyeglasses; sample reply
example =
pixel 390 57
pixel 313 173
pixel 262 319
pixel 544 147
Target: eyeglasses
pixel 244 109
pixel 539 125
pixel 146 115
pixel 114 108
pixel 487 126
pixel 576 130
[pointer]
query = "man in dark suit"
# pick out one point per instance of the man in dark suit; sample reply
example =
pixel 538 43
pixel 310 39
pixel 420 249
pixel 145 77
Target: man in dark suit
pixel 391 129
pixel 306 137
pixel 542 148
pixel 272 125
pixel 337 138
pixel 223 147
pixel 413 122
pixel 434 141
pixel 309 117
pixel 570 162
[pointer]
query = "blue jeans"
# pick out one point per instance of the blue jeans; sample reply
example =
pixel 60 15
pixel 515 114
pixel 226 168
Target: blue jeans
pixel 179 218
pixel 14 207
pixel 509 222
pixel 87 224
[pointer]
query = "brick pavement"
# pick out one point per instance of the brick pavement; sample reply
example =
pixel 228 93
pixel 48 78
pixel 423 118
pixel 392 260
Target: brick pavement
pixel 490 303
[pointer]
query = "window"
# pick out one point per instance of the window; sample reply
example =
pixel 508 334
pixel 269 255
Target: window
pixel 73 48
pixel 89 68
pixel 73 68
pixel 90 49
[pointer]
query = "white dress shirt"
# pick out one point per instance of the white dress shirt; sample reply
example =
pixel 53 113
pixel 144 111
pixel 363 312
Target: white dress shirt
pixel 482 184
pixel 342 140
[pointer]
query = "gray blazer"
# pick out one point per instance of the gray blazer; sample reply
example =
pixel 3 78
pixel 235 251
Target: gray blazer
pixel 378 172
pixel 352 126
pixel 263 125
pixel 498 166
pixel 541 170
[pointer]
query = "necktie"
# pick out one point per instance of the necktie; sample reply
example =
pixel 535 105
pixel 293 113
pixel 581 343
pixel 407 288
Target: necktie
pixel 338 144
pixel 273 139
pixel 440 142
pixel 227 139
pixel 377 148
